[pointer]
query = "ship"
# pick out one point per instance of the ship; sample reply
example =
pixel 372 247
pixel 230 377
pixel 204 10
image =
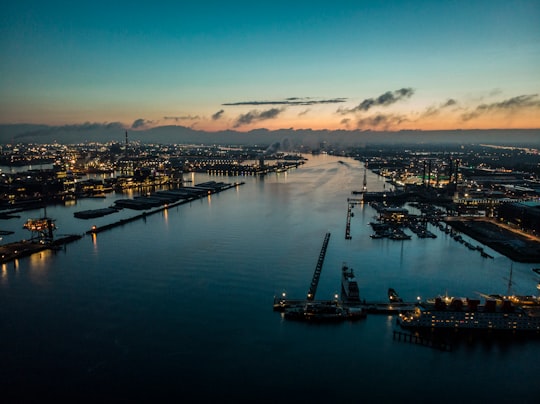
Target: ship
pixel 525 301
pixel 349 287
pixel 320 312
pixel 393 297
pixel 469 314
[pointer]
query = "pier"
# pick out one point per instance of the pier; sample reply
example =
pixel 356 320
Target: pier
pixel 420 340
pixel 281 303
pixel 143 215
pixel 318 269
pixel 25 248
pixel 350 204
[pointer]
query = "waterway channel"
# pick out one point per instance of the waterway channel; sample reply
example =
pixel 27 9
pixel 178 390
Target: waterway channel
pixel 179 305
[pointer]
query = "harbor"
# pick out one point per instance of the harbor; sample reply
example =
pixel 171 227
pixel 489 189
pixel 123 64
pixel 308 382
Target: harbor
pixel 13 251
pixel 152 205
pixel 42 229
pixel 193 285
pixel 345 306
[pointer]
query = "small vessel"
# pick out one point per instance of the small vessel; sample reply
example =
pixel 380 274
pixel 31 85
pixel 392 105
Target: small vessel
pixel 469 314
pixel 400 236
pixel 393 297
pixel 349 286
pixel 324 312
pixel 485 254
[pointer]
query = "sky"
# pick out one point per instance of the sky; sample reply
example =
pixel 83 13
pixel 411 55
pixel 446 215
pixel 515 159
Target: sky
pixel 241 65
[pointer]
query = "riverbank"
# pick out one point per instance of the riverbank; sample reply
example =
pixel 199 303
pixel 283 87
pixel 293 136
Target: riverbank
pixel 514 245
pixel 25 248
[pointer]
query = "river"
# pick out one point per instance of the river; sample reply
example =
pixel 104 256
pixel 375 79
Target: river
pixel 178 307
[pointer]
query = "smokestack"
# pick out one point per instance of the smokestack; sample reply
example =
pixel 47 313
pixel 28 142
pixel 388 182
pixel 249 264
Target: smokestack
pixel 456 176
pixel 429 173
pixel 450 172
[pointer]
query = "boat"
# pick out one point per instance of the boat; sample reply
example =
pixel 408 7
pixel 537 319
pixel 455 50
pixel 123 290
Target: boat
pixel 349 286
pixel 525 301
pixel 332 311
pixel 398 235
pixel 393 297
pixel 469 314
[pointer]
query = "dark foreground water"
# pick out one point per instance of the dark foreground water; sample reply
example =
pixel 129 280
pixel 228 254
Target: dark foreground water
pixel 178 308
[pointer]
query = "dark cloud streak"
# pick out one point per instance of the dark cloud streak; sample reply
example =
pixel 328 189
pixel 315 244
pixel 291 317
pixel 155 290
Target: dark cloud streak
pixel 510 105
pixel 384 121
pixel 289 101
pixel 434 110
pixel 182 118
pixel 384 100
pixel 255 116
pixel 218 114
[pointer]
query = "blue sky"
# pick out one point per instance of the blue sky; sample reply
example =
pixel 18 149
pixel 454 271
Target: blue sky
pixel 166 62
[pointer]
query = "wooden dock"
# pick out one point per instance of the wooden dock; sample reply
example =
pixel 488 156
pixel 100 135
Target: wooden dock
pixel 414 338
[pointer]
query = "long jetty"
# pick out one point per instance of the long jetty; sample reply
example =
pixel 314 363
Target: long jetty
pixel 318 269
pixel 121 222
pixel 350 204
pixel 281 303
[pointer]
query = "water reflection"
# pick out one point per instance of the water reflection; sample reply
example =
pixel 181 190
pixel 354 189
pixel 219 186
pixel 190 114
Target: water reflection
pixel 94 241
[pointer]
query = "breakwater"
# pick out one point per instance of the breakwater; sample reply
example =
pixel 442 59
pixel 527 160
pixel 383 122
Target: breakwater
pixel 185 199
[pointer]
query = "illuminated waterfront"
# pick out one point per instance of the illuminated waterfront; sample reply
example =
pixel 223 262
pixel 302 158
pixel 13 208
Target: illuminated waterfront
pixel 180 303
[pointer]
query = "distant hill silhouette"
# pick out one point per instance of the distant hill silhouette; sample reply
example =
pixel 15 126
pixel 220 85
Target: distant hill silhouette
pixel 115 132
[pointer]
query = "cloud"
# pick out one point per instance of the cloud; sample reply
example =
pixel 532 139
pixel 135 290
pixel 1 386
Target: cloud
pixel 255 116
pixel 218 114
pixel 182 118
pixel 511 105
pixel 290 101
pixel 138 123
pixel 388 98
pixel 346 122
pixel 450 102
pixel 434 110
pixel 381 121
pixel 304 112
pixel 273 148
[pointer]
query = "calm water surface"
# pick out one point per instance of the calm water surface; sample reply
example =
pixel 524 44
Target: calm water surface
pixel 179 306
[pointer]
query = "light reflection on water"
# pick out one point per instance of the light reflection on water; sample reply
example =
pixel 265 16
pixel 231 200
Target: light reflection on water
pixel 183 299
